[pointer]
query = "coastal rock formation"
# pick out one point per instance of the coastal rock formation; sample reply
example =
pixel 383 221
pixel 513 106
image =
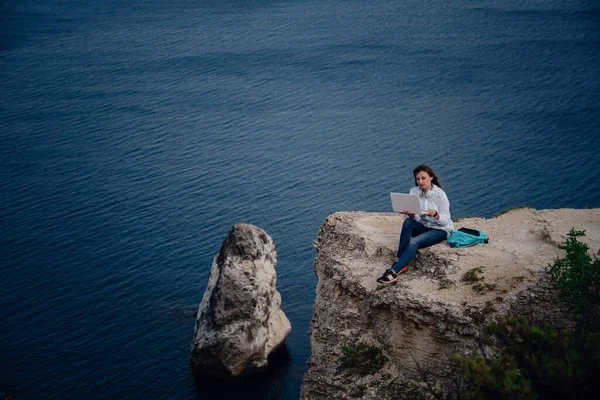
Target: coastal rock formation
pixel 240 321
pixel 439 306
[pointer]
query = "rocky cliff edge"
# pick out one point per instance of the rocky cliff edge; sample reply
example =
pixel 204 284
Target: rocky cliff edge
pixel 439 306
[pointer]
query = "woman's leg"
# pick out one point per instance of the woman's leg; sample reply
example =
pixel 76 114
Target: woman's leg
pixel 426 239
pixel 410 228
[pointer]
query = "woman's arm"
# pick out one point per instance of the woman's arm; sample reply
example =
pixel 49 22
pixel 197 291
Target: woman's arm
pixel 443 206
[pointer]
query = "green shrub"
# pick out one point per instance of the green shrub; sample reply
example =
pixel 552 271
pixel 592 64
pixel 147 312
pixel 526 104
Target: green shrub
pixel 577 279
pixel 498 378
pixel 472 275
pixel 553 363
pixel 361 358
pixel 445 283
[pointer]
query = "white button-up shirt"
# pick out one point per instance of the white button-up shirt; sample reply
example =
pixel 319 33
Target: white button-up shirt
pixel 434 199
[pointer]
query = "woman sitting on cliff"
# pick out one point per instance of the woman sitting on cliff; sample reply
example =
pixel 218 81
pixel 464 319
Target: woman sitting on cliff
pixel 424 230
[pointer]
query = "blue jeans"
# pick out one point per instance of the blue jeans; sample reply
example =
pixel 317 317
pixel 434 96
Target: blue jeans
pixel 414 236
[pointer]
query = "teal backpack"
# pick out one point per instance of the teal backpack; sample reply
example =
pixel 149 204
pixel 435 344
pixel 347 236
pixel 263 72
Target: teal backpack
pixel 465 237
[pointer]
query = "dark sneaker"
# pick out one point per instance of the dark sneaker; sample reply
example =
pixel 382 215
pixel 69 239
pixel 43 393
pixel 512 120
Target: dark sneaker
pixel 389 276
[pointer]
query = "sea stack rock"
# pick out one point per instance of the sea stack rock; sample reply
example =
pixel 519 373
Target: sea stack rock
pixel 240 321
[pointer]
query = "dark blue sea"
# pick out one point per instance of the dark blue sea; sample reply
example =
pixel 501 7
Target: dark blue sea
pixel 134 134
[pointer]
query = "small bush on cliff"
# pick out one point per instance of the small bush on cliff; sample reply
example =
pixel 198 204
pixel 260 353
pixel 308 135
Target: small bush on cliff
pixel 498 378
pixel 577 278
pixel 535 362
pixel 361 359
pixel 542 362
pixel 473 275
pixel 445 283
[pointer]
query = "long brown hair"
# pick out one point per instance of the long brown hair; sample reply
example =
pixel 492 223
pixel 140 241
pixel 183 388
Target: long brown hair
pixel 427 168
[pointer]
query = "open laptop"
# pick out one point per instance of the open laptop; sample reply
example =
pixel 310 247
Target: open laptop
pixel 408 202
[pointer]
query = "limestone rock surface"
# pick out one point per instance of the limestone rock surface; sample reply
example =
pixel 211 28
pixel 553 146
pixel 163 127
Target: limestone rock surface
pixel 432 313
pixel 240 321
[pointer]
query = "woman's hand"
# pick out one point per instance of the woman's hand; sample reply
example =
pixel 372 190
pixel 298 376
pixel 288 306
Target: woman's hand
pixel 433 213
pixel 405 212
